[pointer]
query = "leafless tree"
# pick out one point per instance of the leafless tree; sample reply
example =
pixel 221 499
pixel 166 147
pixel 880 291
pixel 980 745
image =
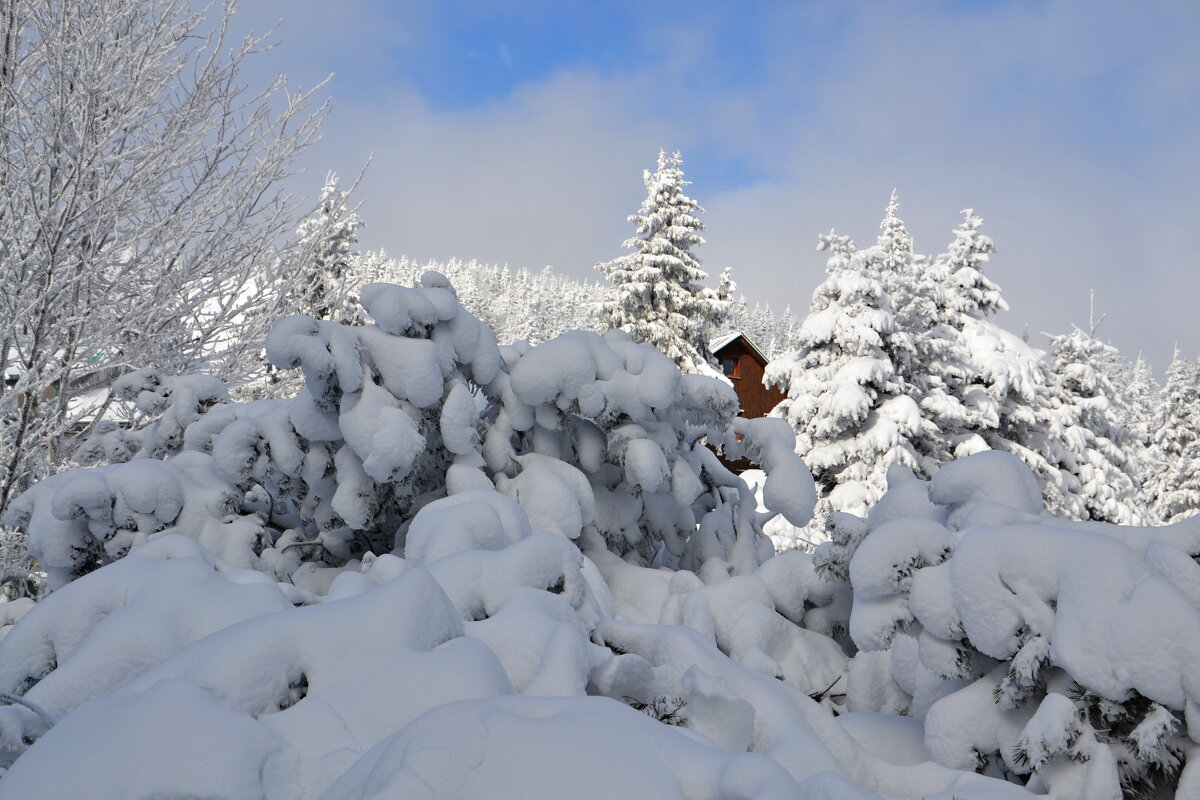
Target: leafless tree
pixel 142 215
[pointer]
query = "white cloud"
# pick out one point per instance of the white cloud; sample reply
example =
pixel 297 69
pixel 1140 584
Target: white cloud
pixel 1022 112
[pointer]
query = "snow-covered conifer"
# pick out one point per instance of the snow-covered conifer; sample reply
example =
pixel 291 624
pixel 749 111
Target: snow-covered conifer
pixel 931 359
pixel 1142 398
pixel 1174 491
pixel 326 243
pixel 1141 392
pixel 1000 399
pixel 966 293
pixel 852 416
pixel 1032 647
pixel 327 238
pixel 656 291
pixel 1091 412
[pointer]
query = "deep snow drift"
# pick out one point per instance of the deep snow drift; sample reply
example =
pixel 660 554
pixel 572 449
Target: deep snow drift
pixel 447 569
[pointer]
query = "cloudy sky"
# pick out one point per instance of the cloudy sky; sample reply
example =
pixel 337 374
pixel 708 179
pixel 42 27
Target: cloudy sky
pixel 517 132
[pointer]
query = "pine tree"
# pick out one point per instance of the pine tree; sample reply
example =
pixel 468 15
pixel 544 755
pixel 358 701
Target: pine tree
pixel 1142 392
pixel 998 399
pixel 1139 392
pixel 1091 411
pixel 723 302
pixel 965 291
pixel 328 236
pixel 851 415
pixel 1141 395
pixel 656 291
pixel 931 361
pixel 1174 493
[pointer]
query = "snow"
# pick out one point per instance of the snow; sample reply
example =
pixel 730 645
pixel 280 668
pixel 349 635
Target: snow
pixel 235 750
pixel 545 585
pixel 1030 610
pixel 471 520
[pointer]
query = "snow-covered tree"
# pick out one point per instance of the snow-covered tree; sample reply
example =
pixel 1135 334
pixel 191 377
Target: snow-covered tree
pixel 1174 490
pixel 965 292
pixel 327 240
pixel 1040 650
pixel 1142 397
pixel 1091 411
pixel 852 416
pixel 141 216
pixel 1140 393
pixel 722 301
pixel 322 284
pixel 323 279
pixel 774 335
pixel 931 359
pixel 1001 397
pixel 656 293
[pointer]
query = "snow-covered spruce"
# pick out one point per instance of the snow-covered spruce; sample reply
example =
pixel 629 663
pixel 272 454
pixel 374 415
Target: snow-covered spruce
pixel 326 274
pixel 1092 413
pixel 656 292
pixel 1174 483
pixel 901 362
pixel 852 415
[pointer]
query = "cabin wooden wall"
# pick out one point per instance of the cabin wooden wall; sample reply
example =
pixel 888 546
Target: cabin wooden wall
pixel 756 399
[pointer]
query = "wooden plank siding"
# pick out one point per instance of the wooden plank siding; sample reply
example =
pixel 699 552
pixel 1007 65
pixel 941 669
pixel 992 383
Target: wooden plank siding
pixel 745 366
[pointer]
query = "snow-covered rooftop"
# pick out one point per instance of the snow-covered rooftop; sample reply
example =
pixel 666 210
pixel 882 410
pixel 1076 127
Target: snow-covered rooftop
pixel 729 338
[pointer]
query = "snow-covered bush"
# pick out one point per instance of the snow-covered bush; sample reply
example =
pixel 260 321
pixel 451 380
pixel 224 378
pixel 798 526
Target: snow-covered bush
pixel 444 569
pixel 1063 653
pixel 498 665
pixel 592 434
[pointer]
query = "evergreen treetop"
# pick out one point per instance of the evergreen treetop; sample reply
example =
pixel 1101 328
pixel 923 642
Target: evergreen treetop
pixel 656 291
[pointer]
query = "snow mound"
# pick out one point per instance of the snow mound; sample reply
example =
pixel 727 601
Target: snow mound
pixel 1056 650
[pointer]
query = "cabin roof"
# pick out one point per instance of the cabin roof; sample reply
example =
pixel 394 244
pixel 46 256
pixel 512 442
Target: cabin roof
pixel 726 339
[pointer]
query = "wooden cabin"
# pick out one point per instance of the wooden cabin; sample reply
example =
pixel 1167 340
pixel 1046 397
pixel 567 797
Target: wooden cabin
pixel 744 365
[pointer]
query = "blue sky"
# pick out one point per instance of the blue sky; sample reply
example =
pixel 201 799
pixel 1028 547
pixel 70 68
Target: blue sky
pixel 517 132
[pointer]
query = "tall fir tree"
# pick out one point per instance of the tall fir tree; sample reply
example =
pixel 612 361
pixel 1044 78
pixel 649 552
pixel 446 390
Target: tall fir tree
pixel 328 236
pixel 657 292
pixel 1091 411
pixel 965 291
pixel 1142 393
pixel 931 360
pixel 1139 392
pixel 1001 397
pixel 1175 445
pixel 851 414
